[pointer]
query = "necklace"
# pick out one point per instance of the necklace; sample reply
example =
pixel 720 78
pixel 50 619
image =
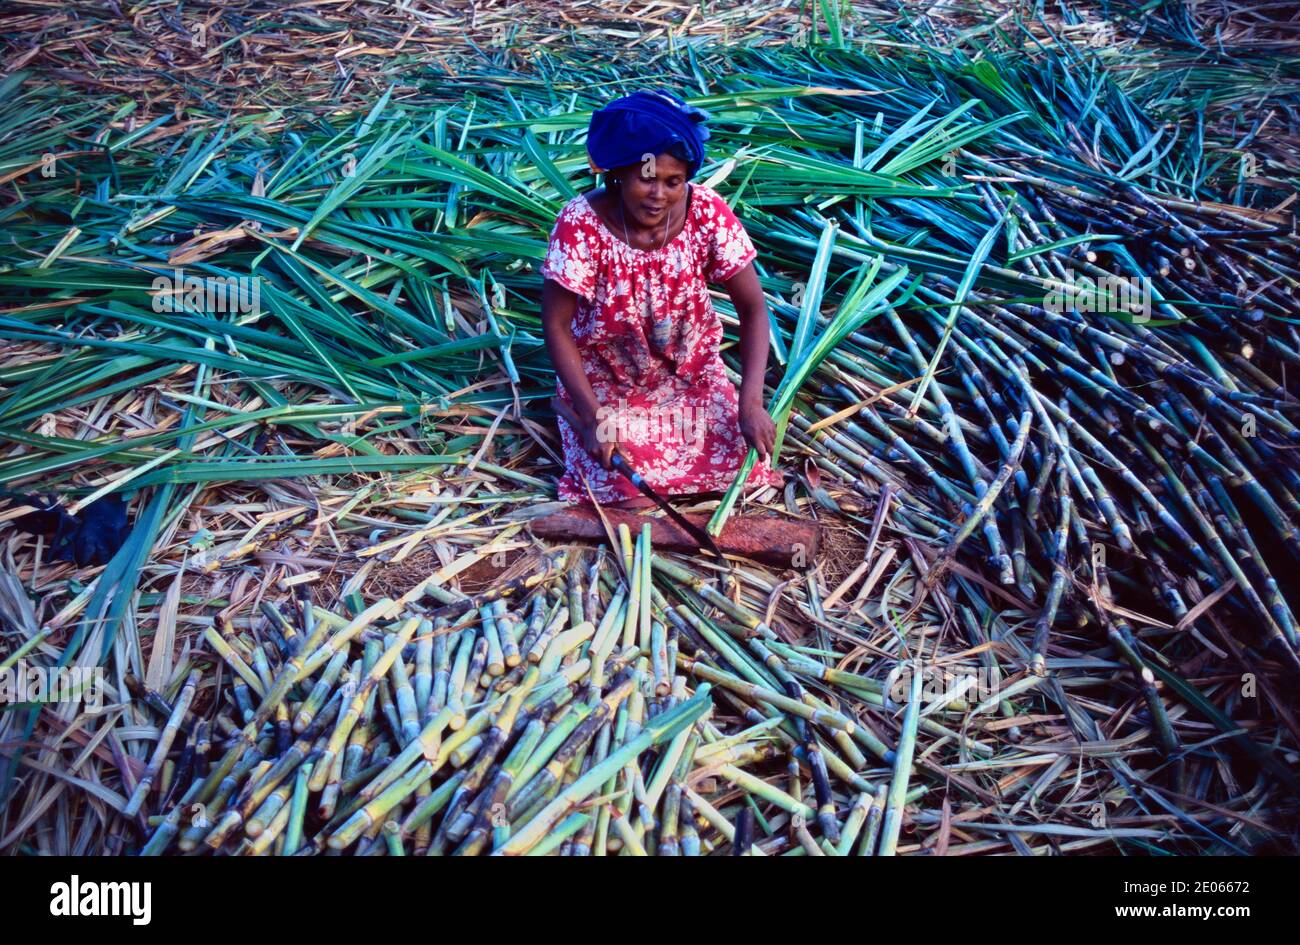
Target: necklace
pixel 661 332
pixel 622 213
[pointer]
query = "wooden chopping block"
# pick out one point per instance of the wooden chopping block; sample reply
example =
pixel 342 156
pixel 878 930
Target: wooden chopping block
pixel 769 539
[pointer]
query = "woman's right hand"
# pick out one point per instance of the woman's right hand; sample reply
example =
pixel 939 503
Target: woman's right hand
pixel 597 441
pixel 559 307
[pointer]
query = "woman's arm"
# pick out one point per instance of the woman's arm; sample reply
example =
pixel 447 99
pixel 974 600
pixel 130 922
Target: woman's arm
pixel 751 308
pixel 558 308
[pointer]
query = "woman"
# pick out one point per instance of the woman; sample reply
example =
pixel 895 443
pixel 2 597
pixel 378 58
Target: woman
pixel 629 323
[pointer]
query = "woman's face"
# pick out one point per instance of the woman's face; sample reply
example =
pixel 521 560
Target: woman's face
pixel 653 188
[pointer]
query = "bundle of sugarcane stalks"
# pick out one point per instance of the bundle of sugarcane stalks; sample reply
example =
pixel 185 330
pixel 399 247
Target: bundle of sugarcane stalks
pixel 1032 304
pixel 587 708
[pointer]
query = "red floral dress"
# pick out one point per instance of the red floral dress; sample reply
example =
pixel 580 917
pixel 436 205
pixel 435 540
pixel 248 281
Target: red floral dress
pixel 648 336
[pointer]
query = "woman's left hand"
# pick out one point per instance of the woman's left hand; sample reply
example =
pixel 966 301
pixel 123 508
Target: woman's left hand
pixel 758 429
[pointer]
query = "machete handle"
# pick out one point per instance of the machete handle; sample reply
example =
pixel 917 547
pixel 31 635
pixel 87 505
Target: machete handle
pixel 618 461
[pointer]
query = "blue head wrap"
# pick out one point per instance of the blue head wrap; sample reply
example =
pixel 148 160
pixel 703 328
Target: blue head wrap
pixel 645 123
